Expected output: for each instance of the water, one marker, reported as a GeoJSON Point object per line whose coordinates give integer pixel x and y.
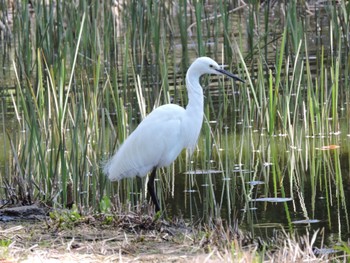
{"type": "Point", "coordinates": [304, 207]}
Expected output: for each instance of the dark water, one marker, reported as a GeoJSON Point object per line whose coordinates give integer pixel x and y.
{"type": "Point", "coordinates": [247, 194]}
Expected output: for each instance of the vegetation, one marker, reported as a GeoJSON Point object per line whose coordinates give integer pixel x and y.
{"type": "Point", "coordinates": [84, 73]}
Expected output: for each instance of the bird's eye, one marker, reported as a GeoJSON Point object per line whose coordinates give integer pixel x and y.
{"type": "Point", "coordinates": [211, 65]}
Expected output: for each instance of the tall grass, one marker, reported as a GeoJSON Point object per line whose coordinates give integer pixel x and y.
{"type": "Point", "coordinates": [88, 72]}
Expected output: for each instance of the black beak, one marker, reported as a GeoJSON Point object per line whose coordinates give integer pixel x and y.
{"type": "Point", "coordinates": [229, 74]}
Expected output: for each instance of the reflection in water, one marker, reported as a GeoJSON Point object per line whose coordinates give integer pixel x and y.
{"type": "Point", "coordinates": [294, 199]}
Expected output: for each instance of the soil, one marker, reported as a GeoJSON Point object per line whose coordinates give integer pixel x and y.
{"type": "Point", "coordinates": [39, 234]}
{"type": "Point", "coordinates": [28, 235]}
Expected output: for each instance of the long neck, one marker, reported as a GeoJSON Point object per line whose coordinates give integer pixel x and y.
{"type": "Point", "coordinates": [195, 96]}
{"type": "Point", "coordinates": [194, 111]}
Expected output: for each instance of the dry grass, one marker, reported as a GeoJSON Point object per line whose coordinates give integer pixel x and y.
{"type": "Point", "coordinates": [138, 237]}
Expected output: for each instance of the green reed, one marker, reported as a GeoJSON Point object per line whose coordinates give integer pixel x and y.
{"type": "Point", "coordinates": [61, 126]}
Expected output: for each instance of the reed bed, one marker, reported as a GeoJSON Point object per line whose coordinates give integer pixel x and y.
{"type": "Point", "coordinates": [87, 72]}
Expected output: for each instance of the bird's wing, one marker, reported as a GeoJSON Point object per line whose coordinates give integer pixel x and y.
{"type": "Point", "coordinates": [156, 142]}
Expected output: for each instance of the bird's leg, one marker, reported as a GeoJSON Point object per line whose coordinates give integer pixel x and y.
{"type": "Point", "coordinates": [151, 189]}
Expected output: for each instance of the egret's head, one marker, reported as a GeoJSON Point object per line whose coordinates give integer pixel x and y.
{"type": "Point", "coordinates": [205, 65]}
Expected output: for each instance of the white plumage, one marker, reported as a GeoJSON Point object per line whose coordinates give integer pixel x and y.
{"type": "Point", "coordinates": [165, 132]}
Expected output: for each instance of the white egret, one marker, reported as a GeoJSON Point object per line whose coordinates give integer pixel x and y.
{"type": "Point", "coordinates": [165, 132]}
